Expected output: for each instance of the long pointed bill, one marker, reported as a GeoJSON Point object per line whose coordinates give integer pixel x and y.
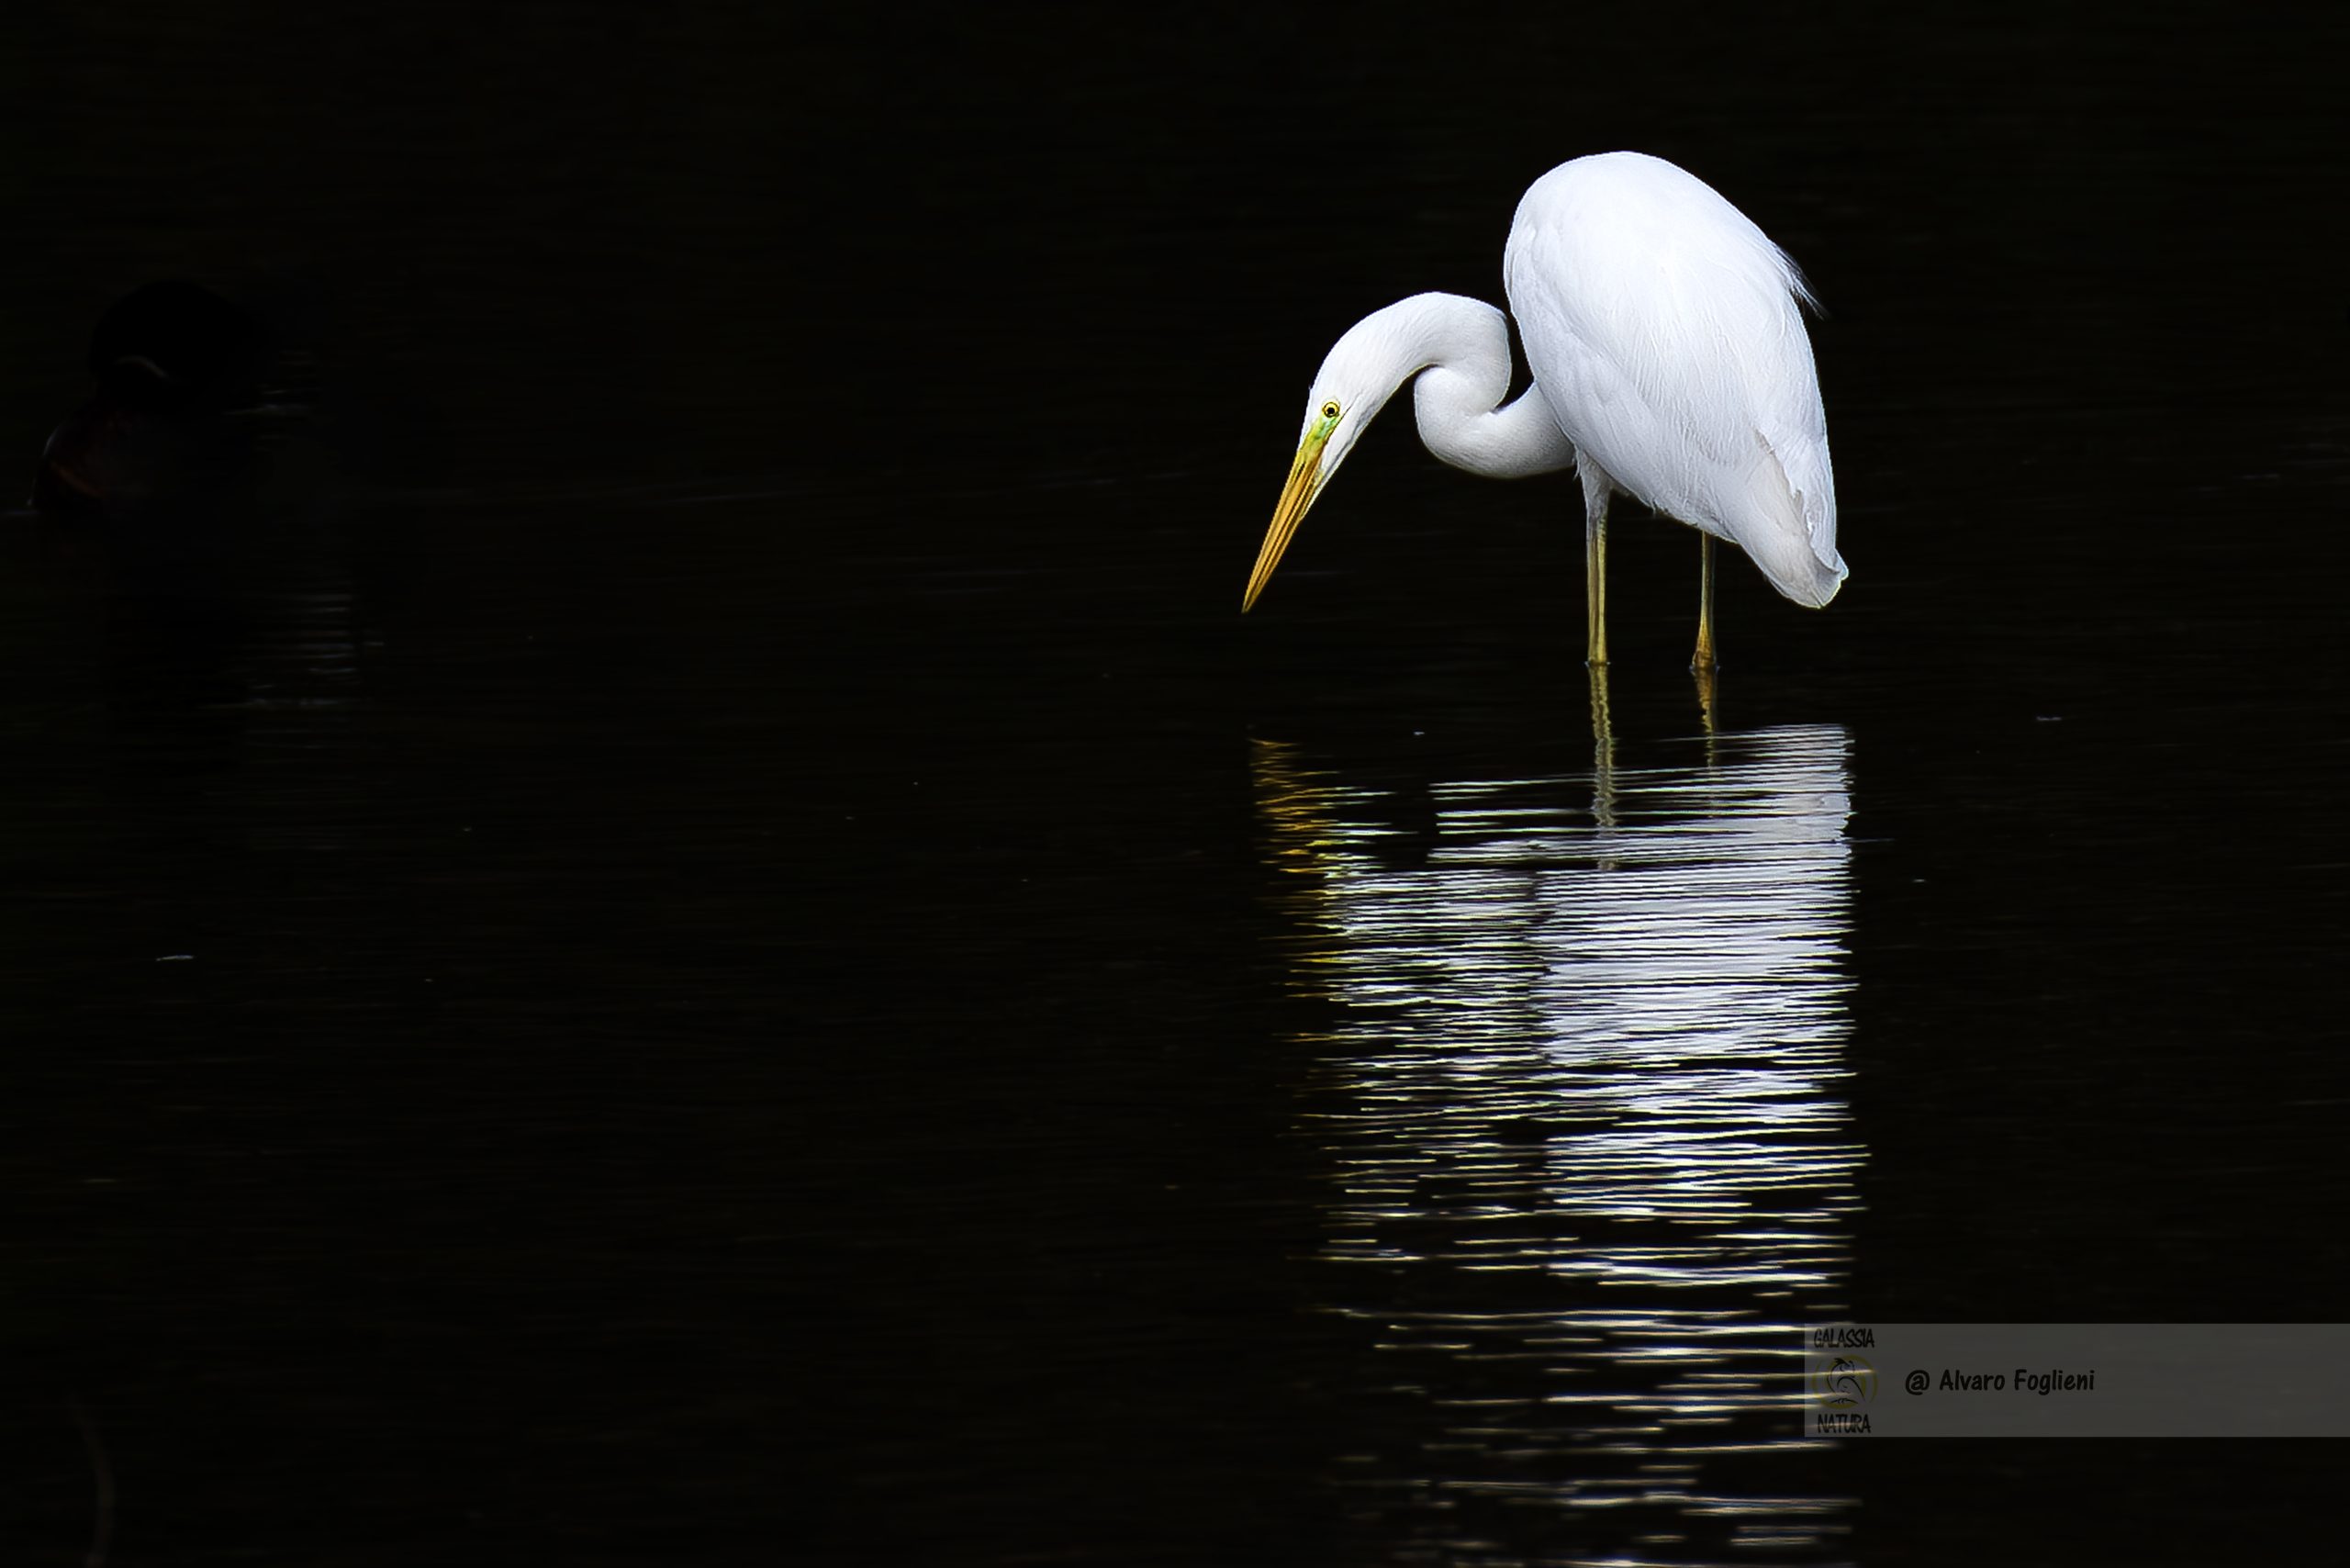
{"type": "Point", "coordinates": [1306, 477]}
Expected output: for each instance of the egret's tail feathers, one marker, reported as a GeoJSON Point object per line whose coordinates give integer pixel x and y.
{"type": "Point", "coordinates": [1793, 534]}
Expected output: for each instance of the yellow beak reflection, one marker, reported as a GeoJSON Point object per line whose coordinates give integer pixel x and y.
{"type": "Point", "coordinates": [1306, 477]}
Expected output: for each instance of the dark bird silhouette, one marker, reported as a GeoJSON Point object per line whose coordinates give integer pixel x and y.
{"type": "Point", "coordinates": [178, 426]}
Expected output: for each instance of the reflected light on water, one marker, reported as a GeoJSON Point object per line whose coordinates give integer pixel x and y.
{"type": "Point", "coordinates": [1589, 1152]}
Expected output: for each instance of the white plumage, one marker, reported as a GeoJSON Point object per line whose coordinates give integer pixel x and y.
{"type": "Point", "coordinates": [1669, 361]}
{"type": "Point", "coordinates": [1662, 326]}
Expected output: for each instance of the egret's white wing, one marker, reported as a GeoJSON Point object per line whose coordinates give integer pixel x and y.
{"type": "Point", "coordinates": [1661, 324]}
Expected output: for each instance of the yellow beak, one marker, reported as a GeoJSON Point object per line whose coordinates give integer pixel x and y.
{"type": "Point", "coordinates": [1305, 478]}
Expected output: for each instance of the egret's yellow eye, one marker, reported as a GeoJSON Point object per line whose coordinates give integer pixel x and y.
{"type": "Point", "coordinates": [1329, 410]}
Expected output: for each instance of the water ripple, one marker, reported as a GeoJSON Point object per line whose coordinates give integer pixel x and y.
{"type": "Point", "coordinates": [1587, 1146]}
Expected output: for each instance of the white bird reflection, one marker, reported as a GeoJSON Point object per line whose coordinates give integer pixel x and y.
{"type": "Point", "coordinates": [1582, 1106]}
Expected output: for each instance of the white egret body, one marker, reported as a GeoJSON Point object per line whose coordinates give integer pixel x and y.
{"type": "Point", "coordinates": [1670, 362]}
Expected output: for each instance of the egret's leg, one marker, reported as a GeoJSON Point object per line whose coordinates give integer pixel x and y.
{"type": "Point", "coordinates": [1703, 659]}
{"type": "Point", "coordinates": [1594, 577]}
{"type": "Point", "coordinates": [1603, 752]}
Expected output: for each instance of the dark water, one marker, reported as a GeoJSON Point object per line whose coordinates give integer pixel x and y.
{"type": "Point", "coordinates": [712, 942]}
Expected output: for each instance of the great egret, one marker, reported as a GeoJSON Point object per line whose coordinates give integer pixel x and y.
{"type": "Point", "coordinates": [1670, 362]}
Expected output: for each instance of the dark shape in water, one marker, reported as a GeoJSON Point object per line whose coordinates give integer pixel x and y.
{"type": "Point", "coordinates": [175, 430]}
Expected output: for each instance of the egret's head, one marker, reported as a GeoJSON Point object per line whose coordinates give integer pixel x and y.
{"type": "Point", "coordinates": [1355, 383]}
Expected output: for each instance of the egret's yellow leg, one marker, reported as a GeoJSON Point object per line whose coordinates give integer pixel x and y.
{"type": "Point", "coordinates": [1594, 577]}
{"type": "Point", "coordinates": [1702, 660]}
{"type": "Point", "coordinates": [1603, 752]}
{"type": "Point", "coordinates": [1602, 717]}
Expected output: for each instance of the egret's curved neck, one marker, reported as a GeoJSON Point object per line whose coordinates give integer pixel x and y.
{"type": "Point", "coordinates": [1459, 350]}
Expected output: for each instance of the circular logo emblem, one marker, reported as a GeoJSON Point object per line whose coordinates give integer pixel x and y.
{"type": "Point", "coordinates": [1844, 1383]}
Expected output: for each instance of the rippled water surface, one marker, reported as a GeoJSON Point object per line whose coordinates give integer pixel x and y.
{"type": "Point", "coordinates": [701, 935]}
{"type": "Point", "coordinates": [1587, 1107]}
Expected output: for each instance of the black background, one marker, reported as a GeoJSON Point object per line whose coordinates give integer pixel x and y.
{"type": "Point", "coordinates": [735, 1013]}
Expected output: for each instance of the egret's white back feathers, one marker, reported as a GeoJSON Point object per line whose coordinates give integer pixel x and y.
{"type": "Point", "coordinates": [1662, 325]}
